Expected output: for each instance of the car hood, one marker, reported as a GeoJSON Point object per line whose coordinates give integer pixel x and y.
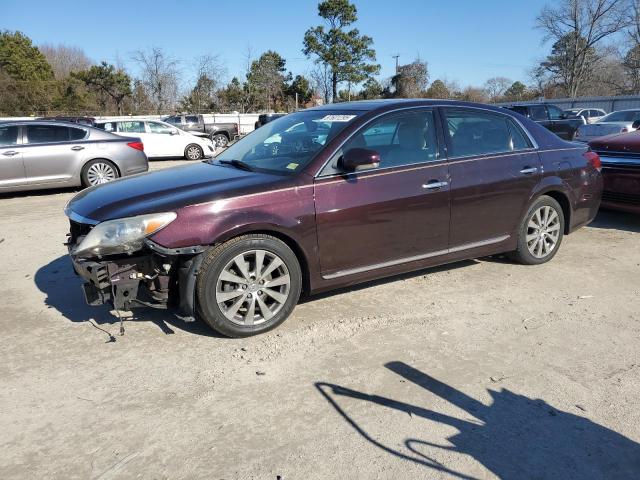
{"type": "Point", "coordinates": [166, 190]}
{"type": "Point", "coordinates": [625, 142]}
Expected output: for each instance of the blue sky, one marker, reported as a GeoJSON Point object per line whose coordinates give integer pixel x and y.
{"type": "Point", "coordinates": [463, 40]}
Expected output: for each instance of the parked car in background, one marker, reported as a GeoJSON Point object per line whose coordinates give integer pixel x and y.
{"type": "Point", "coordinates": [219, 133]}
{"type": "Point", "coordinates": [620, 156]}
{"type": "Point", "coordinates": [393, 186]}
{"type": "Point", "coordinates": [50, 154]}
{"type": "Point", "coordinates": [81, 120]}
{"type": "Point", "coordinates": [590, 115]}
{"type": "Point", "coordinates": [160, 139]}
{"type": "Point", "coordinates": [265, 118]}
{"type": "Point", "coordinates": [550, 117]}
{"type": "Point", "coordinates": [622, 121]}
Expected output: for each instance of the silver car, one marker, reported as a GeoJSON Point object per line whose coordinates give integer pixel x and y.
{"type": "Point", "coordinates": [622, 121]}
{"type": "Point", "coordinates": [50, 154]}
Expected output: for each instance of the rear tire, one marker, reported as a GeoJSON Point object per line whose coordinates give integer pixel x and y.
{"type": "Point", "coordinates": [248, 285]}
{"type": "Point", "coordinates": [193, 152]}
{"type": "Point", "coordinates": [540, 233]}
{"type": "Point", "coordinates": [220, 140]}
{"type": "Point", "coordinates": [97, 172]}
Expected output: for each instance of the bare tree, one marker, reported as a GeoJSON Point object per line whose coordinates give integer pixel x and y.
{"type": "Point", "coordinates": [65, 59]}
{"type": "Point", "coordinates": [577, 27]}
{"type": "Point", "coordinates": [321, 81]}
{"type": "Point", "coordinates": [159, 75]}
{"type": "Point", "coordinates": [208, 79]}
{"type": "Point", "coordinates": [496, 86]}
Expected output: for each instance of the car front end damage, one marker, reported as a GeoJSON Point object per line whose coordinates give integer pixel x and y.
{"type": "Point", "coordinates": [138, 274]}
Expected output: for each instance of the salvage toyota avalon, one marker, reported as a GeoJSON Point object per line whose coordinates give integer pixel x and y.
{"type": "Point", "coordinates": [329, 197]}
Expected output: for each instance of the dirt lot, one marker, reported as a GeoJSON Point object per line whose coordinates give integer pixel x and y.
{"type": "Point", "coordinates": [480, 369]}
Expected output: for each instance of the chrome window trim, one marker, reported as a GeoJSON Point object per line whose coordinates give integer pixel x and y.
{"type": "Point", "coordinates": [391, 263]}
{"type": "Point", "coordinates": [447, 158]}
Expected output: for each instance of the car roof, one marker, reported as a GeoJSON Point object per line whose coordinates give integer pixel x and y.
{"type": "Point", "coordinates": [45, 122]}
{"type": "Point", "coordinates": [390, 104]}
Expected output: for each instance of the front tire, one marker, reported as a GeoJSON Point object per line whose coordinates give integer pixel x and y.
{"type": "Point", "coordinates": [248, 285]}
{"type": "Point", "coordinates": [97, 172]}
{"type": "Point", "coordinates": [540, 233]}
{"type": "Point", "coordinates": [193, 152]}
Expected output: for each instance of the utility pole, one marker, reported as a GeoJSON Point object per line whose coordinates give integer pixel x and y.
{"type": "Point", "coordinates": [396, 56]}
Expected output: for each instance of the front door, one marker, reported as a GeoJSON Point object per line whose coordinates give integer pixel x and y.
{"type": "Point", "coordinates": [165, 140]}
{"type": "Point", "coordinates": [11, 164]}
{"type": "Point", "coordinates": [493, 168]}
{"type": "Point", "coordinates": [393, 214]}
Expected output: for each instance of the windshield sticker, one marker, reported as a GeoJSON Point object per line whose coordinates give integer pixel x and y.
{"type": "Point", "coordinates": [337, 118]}
{"type": "Point", "coordinates": [292, 166]}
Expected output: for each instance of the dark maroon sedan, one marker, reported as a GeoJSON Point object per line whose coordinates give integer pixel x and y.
{"type": "Point", "coordinates": [362, 190]}
{"type": "Point", "coordinates": [620, 155]}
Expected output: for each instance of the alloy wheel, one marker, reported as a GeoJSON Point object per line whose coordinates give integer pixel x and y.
{"type": "Point", "coordinates": [194, 152]}
{"type": "Point", "coordinates": [100, 173]}
{"type": "Point", "coordinates": [253, 287]}
{"type": "Point", "coordinates": [543, 231]}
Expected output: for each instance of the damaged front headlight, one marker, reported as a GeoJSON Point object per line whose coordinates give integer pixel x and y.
{"type": "Point", "coordinates": [124, 235]}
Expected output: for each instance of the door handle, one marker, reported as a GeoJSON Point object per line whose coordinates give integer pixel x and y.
{"type": "Point", "coordinates": [434, 185]}
{"type": "Point", "coordinates": [10, 153]}
{"type": "Point", "coordinates": [528, 170]}
{"type": "Point", "coordinates": [77, 148]}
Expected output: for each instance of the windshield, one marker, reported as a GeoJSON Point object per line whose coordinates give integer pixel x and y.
{"type": "Point", "coordinates": [622, 116]}
{"type": "Point", "coordinates": [288, 144]}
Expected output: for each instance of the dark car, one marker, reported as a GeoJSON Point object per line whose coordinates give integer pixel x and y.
{"type": "Point", "coordinates": [393, 186]}
{"type": "Point", "coordinates": [265, 118]}
{"type": "Point", "coordinates": [620, 155]}
{"type": "Point", "coordinates": [550, 117]}
{"type": "Point", "coordinates": [81, 120]}
{"type": "Point", "coordinates": [220, 133]}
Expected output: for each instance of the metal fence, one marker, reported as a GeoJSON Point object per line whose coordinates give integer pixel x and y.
{"type": "Point", "coordinates": [246, 121]}
{"type": "Point", "coordinates": [608, 104]}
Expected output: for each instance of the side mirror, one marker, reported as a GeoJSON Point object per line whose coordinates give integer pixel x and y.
{"type": "Point", "coordinates": [636, 125]}
{"type": "Point", "coordinates": [173, 132]}
{"type": "Point", "coordinates": [359, 159]}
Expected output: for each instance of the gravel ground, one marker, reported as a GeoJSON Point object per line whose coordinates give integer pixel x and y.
{"type": "Point", "coordinates": [480, 369]}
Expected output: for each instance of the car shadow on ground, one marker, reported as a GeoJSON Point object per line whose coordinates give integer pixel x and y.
{"type": "Point", "coordinates": [63, 290]}
{"type": "Point", "coordinates": [514, 437]}
{"type": "Point", "coordinates": [614, 220]}
{"type": "Point", "coordinates": [62, 286]}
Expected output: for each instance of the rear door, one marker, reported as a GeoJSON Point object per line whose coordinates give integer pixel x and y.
{"type": "Point", "coordinates": [493, 167]}
{"type": "Point", "coordinates": [53, 153]}
{"type": "Point", "coordinates": [12, 172]}
{"type": "Point", "coordinates": [560, 125]}
{"type": "Point", "coordinates": [393, 214]}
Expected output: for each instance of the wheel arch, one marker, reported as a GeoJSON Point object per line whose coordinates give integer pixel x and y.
{"type": "Point", "coordinates": [563, 200]}
{"type": "Point", "coordinates": [86, 162]}
{"type": "Point", "coordinates": [284, 237]}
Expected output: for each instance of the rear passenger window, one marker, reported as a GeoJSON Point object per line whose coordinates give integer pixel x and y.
{"type": "Point", "coordinates": [47, 133]}
{"type": "Point", "coordinates": [479, 133]}
{"type": "Point", "coordinates": [191, 119]}
{"type": "Point", "coordinates": [76, 134]}
{"type": "Point", "coordinates": [8, 136]}
{"type": "Point", "coordinates": [131, 127]}
{"type": "Point", "coordinates": [537, 112]}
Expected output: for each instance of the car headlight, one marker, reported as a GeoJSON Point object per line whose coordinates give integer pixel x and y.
{"type": "Point", "coordinates": [124, 235]}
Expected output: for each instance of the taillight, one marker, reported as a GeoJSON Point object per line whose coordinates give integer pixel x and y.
{"type": "Point", "coordinates": [594, 159]}
{"type": "Point", "coordinates": [137, 145]}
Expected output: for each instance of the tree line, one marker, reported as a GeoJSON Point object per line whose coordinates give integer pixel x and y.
{"type": "Point", "coordinates": [595, 50]}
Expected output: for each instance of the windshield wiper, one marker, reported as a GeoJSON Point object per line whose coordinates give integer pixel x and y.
{"type": "Point", "coordinates": [238, 164]}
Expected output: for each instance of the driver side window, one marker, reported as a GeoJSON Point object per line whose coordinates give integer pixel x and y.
{"type": "Point", "coordinates": [399, 138]}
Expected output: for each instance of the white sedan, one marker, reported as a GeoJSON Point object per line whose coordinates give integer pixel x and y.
{"type": "Point", "coordinates": [160, 139]}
